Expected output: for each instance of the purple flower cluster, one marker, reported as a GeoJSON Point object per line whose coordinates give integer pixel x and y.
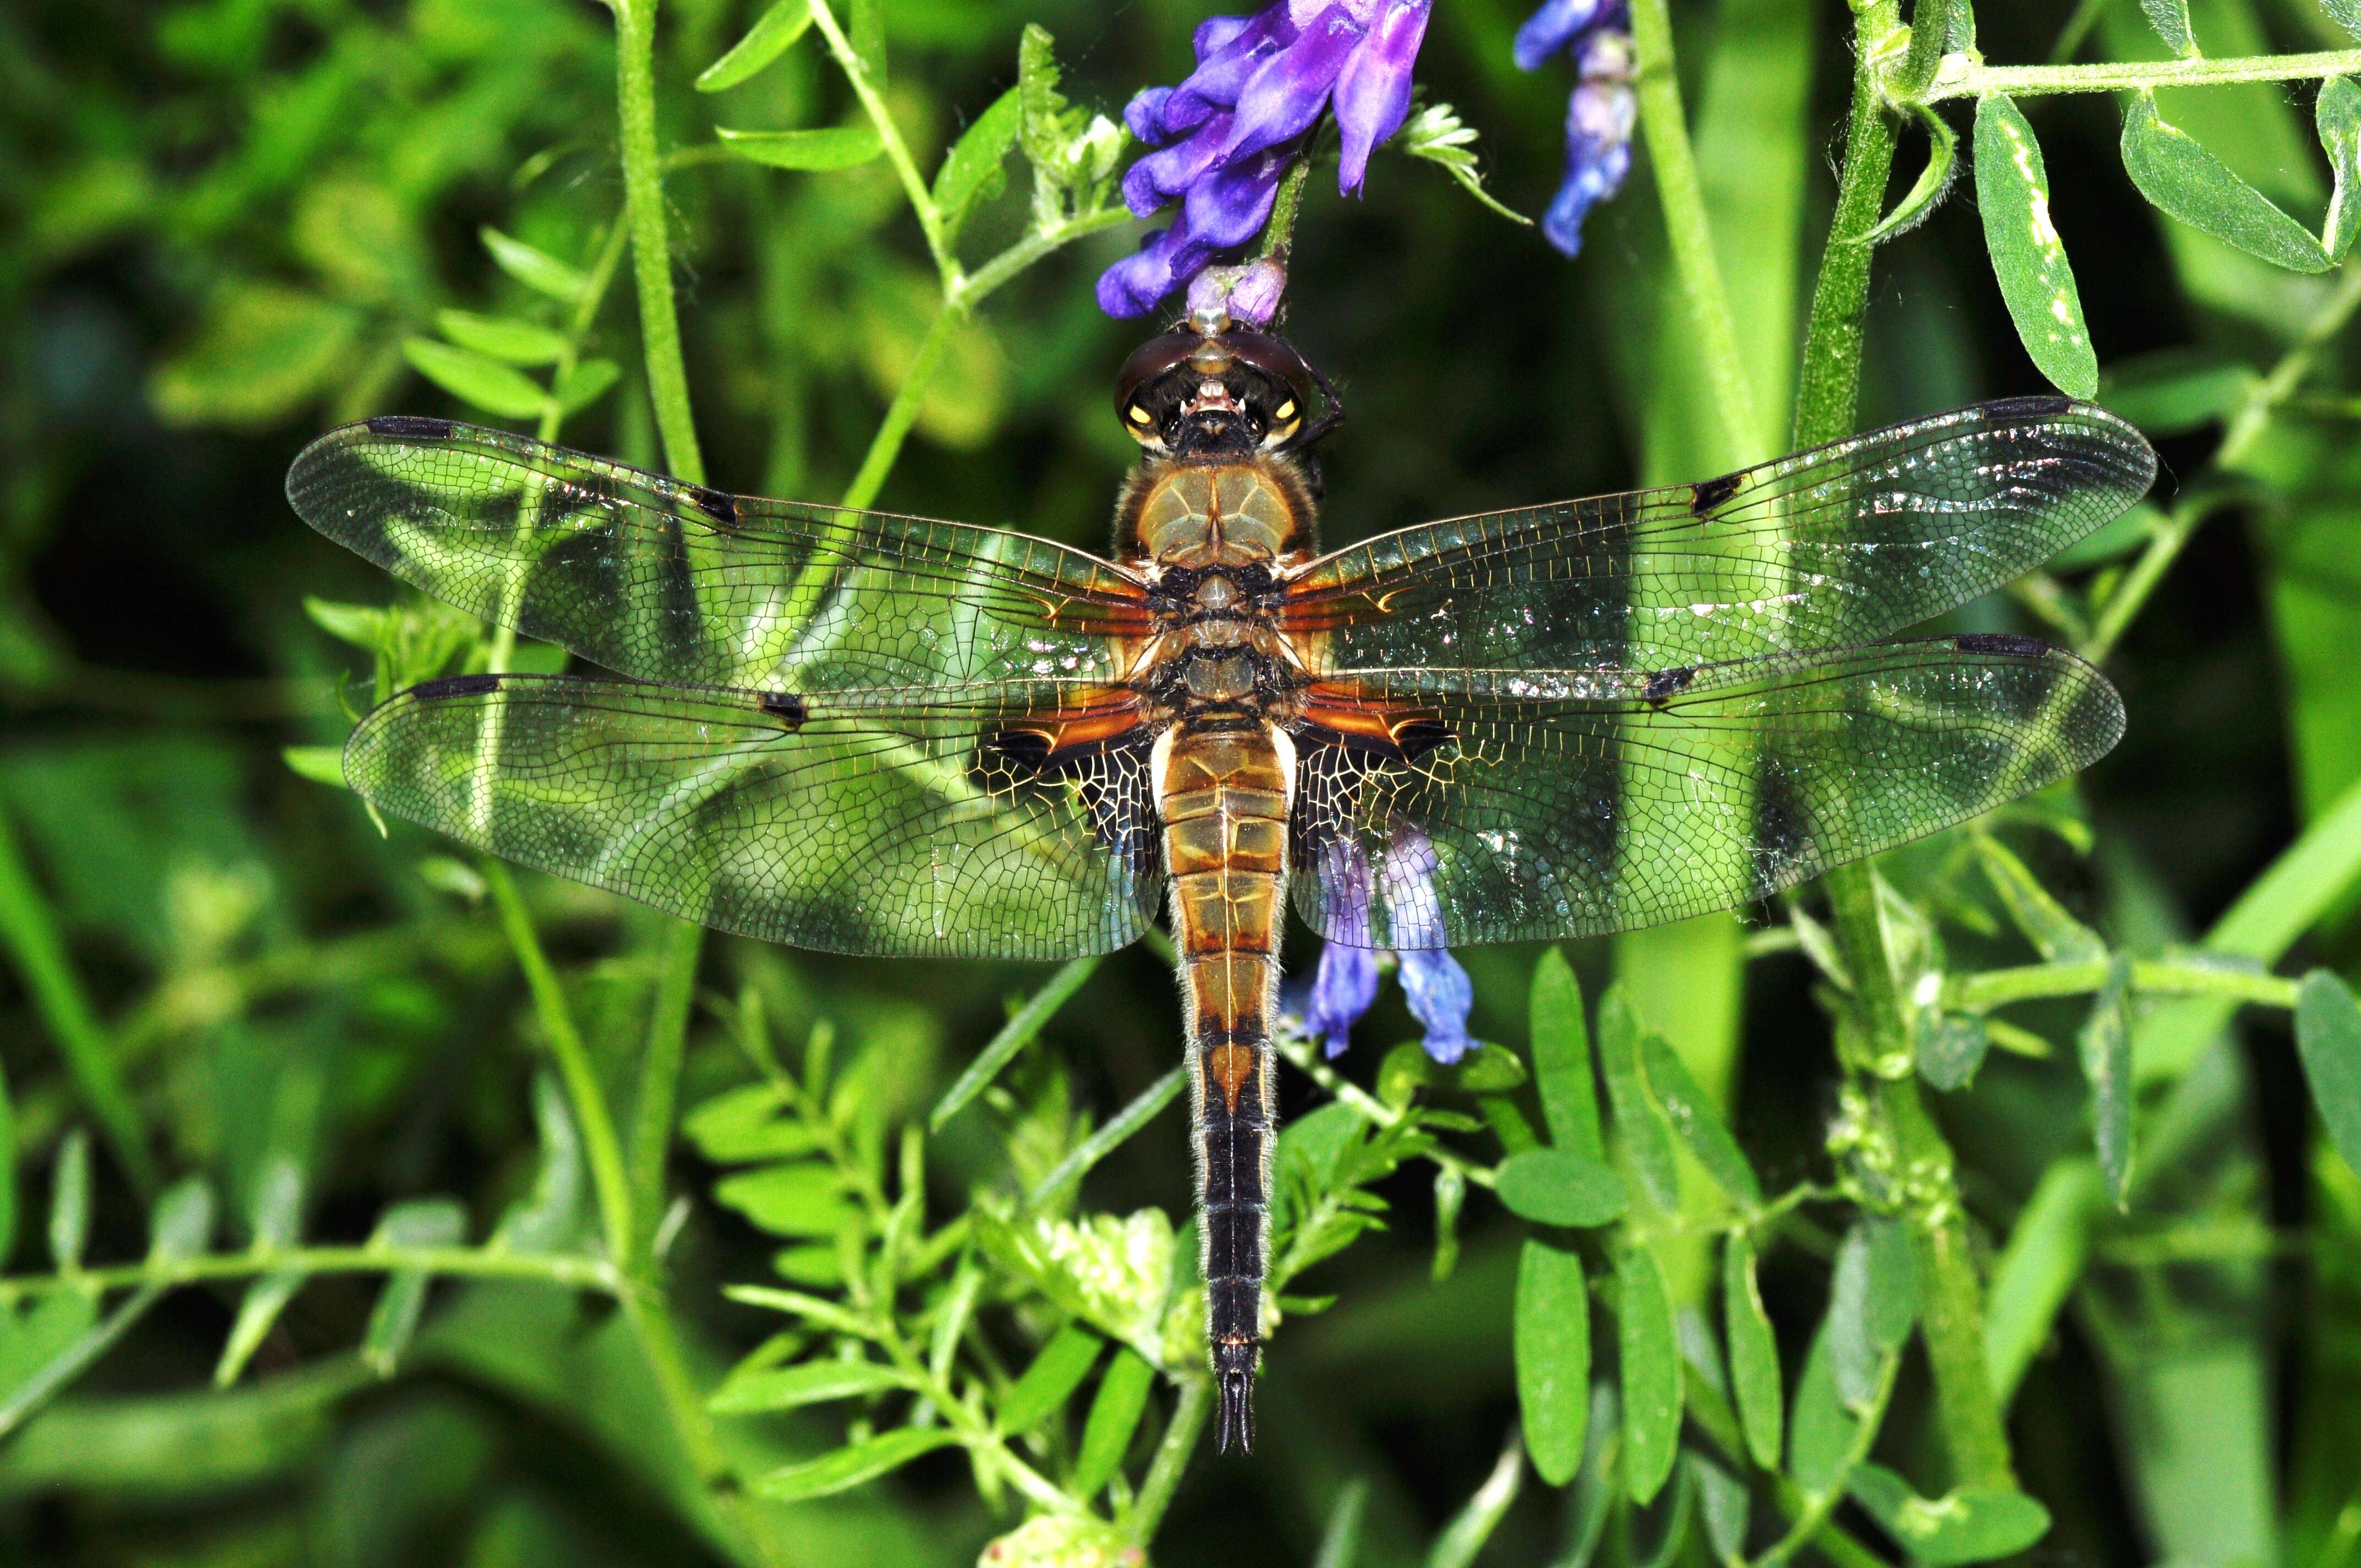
{"type": "Point", "coordinates": [1600, 113]}
{"type": "Point", "coordinates": [1344, 986]}
{"type": "Point", "coordinates": [1227, 133]}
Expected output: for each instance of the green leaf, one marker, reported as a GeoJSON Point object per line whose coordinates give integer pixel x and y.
{"type": "Point", "coordinates": [1934, 182]}
{"type": "Point", "coordinates": [262, 353]}
{"type": "Point", "coordinates": [1873, 1300]}
{"type": "Point", "coordinates": [798, 1200]}
{"type": "Point", "coordinates": [1950, 1048]}
{"type": "Point", "coordinates": [1450, 1196]}
{"type": "Point", "coordinates": [2037, 1269]}
{"type": "Point", "coordinates": [1753, 1352]}
{"type": "Point", "coordinates": [2170, 20]}
{"type": "Point", "coordinates": [2328, 1039]}
{"type": "Point", "coordinates": [1694, 1121]}
{"type": "Point", "coordinates": [766, 41]}
{"type": "Point", "coordinates": [850, 1467]}
{"type": "Point", "coordinates": [1723, 1499]}
{"type": "Point", "coordinates": [1562, 1071]}
{"type": "Point", "coordinates": [1437, 135]}
{"type": "Point", "coordinates": [275, 1222]}
{"type": "Point", "coordinates": [1821, 1431]}
{"type": "Point", "coordinates": [2056, 935]}
{"type": "Point", "coordinates": [1340, 1541]}
{"type": "Point", "coordinates": [2347, 14]}
{"type": "Point", "coordinates": [320, 764]}
{"type": "Point", "coordinates": [1641, 1133]}
{"type": "Point", "coordinates": [504, 338]}
{"type": "Point", "coordinates": [585, 382]}
{"type": "Point", "coordinates": [2027, 257]}
{"type": "Point", "coordinates": [485, 383]}
{"type": "Point", "coordinates": [745, 1124]}
{"type": "Point", "coordinates": [971, 173]}
{"type": "Point", "coordinates": [1974, 1524]}
{"type": "Point", "coordinates": [1115, 1417]}
{"type": "Point", "coordinates": [535, 267]}
{"type": "Point", "coordinates": [1051, 1380]}
{"type": "Point", "coordinates": [865, 30]}
{"type": "Point", "coordinates": [70, 1202]}
{"type": "Point", "coordinates": [2105, 1043]}
{"type": "Point", "coordinates": [2338, 117]}
{"type": "Point", "coordinates": [793, 1387]}
{"type": "Point", "coordinates": [1552, 1187]}
{"type": "Point", "coordinates": [183, 1221]}
{"type": "Point", "coordinates": [829, 148]}
{"type": "Point", "coordinates": [1014, 1037]}
{"type": "Point", "coordinates": [2180, 178]}
{"type": "Point", "coordinates": [1043, 112]}
{"type": "Point", "coordinates": [1652, 1372]}
{"type": "Point", "coordinates": [34, 1339]}
{"type": "Point", "coordinates": [428, 1222]}
{"type": "Point", "coordinates": [1464, 1535]}
{"type": "Point", "coordinates": [1552, 1356]}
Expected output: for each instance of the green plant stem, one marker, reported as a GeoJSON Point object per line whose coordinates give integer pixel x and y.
{"type": "Point", "coordinates": [1279, 232]}
{"type": "Point", "coordinates": [1299, 1051]}
{"type": "Point", "coordinates": [2247, 426]}
{"type": "Point", "coordinates": [1923, 1168]}
{"type": "Point", "coordinates": [643, 1304]}
{"type": "Point", "coordinates": [961, 296]}
{"type": "Point", "coordinates": [2150, 977]}
{"type": "Point", "coordinates": [588, 1099]}
{"type": "Point", "coordinates": [1964, 77]}
{"type": "Point", "coordinates": [1709, 1410]}
{"type": "Point", "coordinates": [29, 928]}
{"type": "Point", "coordinates": [573, 1271]}
{"type": "Point", "coordinates": [660, 1063]}
{"type": "Point", "coordinates": [897, 151]}
{"type": "Point", "coordinates": [1687, 227]}
{"type": "Point", "coordinates": [1812, 1518]}
{"type": "Point", "coordinates": [643, 201]}
{"type": "Point", "coordinates": [1172, 1452]}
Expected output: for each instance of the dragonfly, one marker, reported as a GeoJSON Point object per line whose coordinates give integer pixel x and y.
{"type": "Point", "coordinates": [874, 734]}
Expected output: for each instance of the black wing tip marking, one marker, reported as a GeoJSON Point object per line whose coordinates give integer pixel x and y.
{"type": "Point", "coordinates": [718, 505]}
{"type": "Point", "coordinates": [1666, 684]}
{"type": "Point", "coordinates": [2011, 643]}
{"type": "Point", "coordinates": [1707, 494]}
{"type": "Point", "coordinates": [787, 707]}
{"type": "Point", "coordinates": [2035, 405]}
{"type": "Point", "coordinates": [411, 427]}
{"type": "Point", "coordinates": [453, 686]}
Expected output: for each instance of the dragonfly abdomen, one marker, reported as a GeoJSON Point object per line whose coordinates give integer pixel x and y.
{"type": "Point", "coordinates": [1223, 796]}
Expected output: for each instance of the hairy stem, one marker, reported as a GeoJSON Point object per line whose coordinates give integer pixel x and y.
{"type": "Point", "coordinates": [1923, 1168]}
{"type": "Point", "coordinates": [1690, 233]}
{"type": "Point", "coordinates": [643, 201]}
{"type": "Point", "coordinates": [897, 151]}
{"type": "Point", "coordinates": [1962, 78]}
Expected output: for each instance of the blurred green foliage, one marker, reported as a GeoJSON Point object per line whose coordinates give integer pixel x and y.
{"type": "Point", "coordinates": [365, 1204]}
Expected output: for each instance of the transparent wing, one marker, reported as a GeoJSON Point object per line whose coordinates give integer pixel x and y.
{"type": "Point", "coordinates": [1843, 544]}
{"type": "Point", "coordinates": [678, 583]}
{"type": "Point", "coordinates": [1443, 807]}
{"type": "Point", "coordinates": [1015, 821]}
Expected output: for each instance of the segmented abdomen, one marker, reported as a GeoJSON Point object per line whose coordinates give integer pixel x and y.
{"type": "Point", "coordinates": [1224, 797]}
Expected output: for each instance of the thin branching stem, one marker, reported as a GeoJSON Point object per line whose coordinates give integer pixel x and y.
{"type": "Point", "coordinates": [897, 151]}
{"type": "Point", "coordinates": [643, 200]}
{"type": "Point", "coordinates": [575, 1271]}
{"type": "Point", "coordinates": [1961, 76]}
{"type": "Point", "coordinates": [2150, 977]}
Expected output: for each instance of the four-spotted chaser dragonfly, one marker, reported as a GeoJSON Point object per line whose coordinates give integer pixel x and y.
{"type": "Point", "coordinates": [877, 734]}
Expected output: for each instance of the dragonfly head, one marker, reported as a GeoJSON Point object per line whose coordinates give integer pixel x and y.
{"type": "Point", "coordinates": [1217, 389]}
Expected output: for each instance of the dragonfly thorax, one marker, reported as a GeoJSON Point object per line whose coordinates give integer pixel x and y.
{"type": "Point", "coordinates": [1190, 516]}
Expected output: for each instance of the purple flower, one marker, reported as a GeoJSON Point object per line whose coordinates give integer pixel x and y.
{"type": "Point", "coordinates": [1344, 986]}
{"type": "Point", "coordinates": [1345, 983]}
{"type": "Point", "coordinates": [1599, 115]}
{"type": "Point", "coordinates": [1227, 133]}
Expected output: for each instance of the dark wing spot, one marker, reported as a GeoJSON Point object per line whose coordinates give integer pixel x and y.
{"type": "Point", "coordinates": [2043, 406]}
{"type": "Point", "coordinates": [454, 686]}
{"type": "Point", "coordinates": [787, 707]}
{"type": "Point", "coordinates": [1710, 493]}
{"type": "Point", "coordinates": [1421, 736]}
{"type": "Point", "coordinates": [411, 427]}
{"type": "Point", "coordinates": [1665, 683]}
{"type": "Point", "coordinates": [2000, 643]}
{"type": "Point", "coordinates": [718, 505]}
{"type": "Point", "coordinates": [1028, 749]}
